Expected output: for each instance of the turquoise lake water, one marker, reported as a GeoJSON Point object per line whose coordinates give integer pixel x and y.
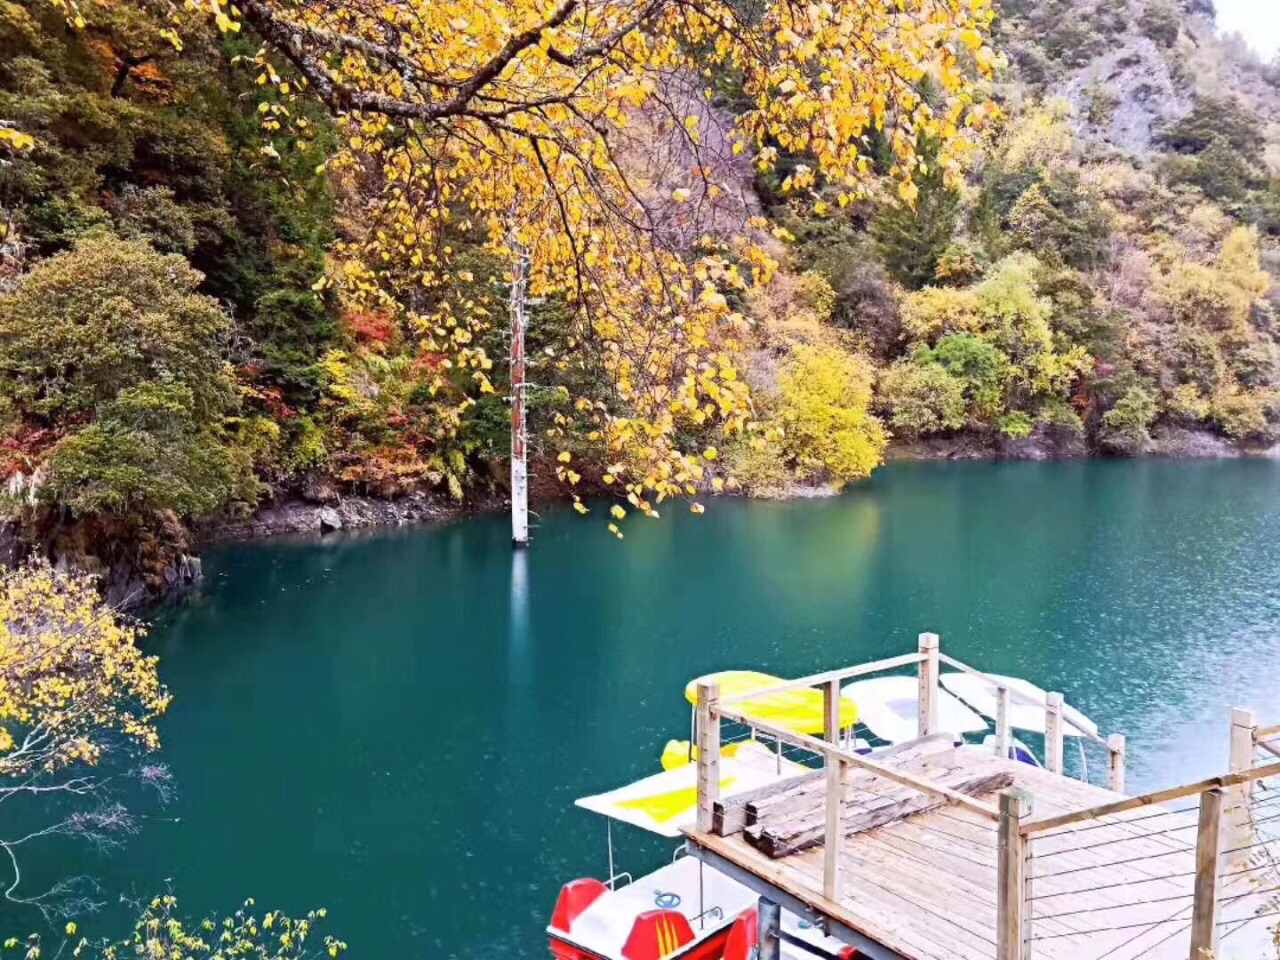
{"type": "Point", "coordinates": [396, 726]}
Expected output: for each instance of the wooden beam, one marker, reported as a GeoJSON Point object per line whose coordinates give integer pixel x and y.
{"type": "Point", "coordinates": [1266, 733]}
{"type": "Point", "coordinates": [817, 679]}
{"type": "Point", "coordinates": [1117, 752]}
{"type": "Point", "coordinates": [788, 834]}
{"type": "Point", "coordinates": [1012, 916]}
{"type": "Point", "coordinates": [826, 750]}
{"type": "Point", "coordinates": [1053, 732]}
{"type": "Point", "coordinates": [1204, 909]}
{"type": "Point", "coordinates": [833, 837]}
{"type": "Point", "coordinates": [831, 711]}
{"type": "Point", "coordinates": [1004, 716]}
{"type": "Point", "coordinates": [708, 754]}
{"type": "Point", "coordinates": [927, 709]}
{"type": "Point", "coordinates": [1150, 799]}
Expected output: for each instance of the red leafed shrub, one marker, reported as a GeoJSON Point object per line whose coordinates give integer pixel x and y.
{"type": "Point", "coordinates": [430, 362]}
{"type": "Point", "coordinates": [371, 327]}
{"type": "Point", "coordinates": [21, 452]}
{"type": "Point", "coordinates": [273, 400]}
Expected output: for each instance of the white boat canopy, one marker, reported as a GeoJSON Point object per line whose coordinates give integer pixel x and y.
{"type": "Point", "coordinates": [890, 708]}
{"type": "Point", "coordinates": [1026, 702]}
{"type": "Point", "coordinates": [666, 801]}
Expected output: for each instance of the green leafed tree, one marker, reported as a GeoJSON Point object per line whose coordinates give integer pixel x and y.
{"type": "Point", "coordinates": [108, 352]}
{"type": "Point", "coordinates": [911, 239]}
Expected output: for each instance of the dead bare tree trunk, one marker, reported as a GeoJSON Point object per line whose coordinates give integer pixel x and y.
{"type": "Point", "coordinates": [519, 433]}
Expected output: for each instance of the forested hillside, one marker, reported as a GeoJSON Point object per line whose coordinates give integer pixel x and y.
{"type": "Point", "coordinates": [214, 294]}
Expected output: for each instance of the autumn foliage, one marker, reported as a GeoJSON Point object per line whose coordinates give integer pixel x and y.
{"type": "Point", "coordinates": [72, 679]}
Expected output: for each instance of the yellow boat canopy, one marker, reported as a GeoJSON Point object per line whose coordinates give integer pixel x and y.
{"type": "Point", "coordinates": [799, 711]}
{"type": "Point", "coordinates": [666, 801]}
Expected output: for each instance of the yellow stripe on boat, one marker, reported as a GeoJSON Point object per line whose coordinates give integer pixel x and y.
{"type": "Point", "coordinates": [665, 807]}
{"type": "Point", "coordinates": [800, 711]}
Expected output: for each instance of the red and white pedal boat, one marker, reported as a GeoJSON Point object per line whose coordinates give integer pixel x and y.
{"type": "Point", "coordinates": [686, 910]}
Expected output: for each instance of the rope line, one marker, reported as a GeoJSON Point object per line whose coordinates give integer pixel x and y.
{"type": "Point", "coordinates": [1128, 839]}
{"type": "Point", "coordinates": [1109, 863]}
{"type": "Point", "coordinates": [1242, 896]}
{"type": "Point", "coordinates": [1111, 886]}
{"type": "Point", "coordinates": [1072, 829]}
{"type": "Point", "coordinates": [1114, 906]}
{"type": "Point", "coordinates": [1148, 924]}
{"type": "Point", "coordinates": [1245, 921]}
{"type": "Point", "coordinates": [1158, 944]}
{"type": "Point", "coordinates": [1260, 866]}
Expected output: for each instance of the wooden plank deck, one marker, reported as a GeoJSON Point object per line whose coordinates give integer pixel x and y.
{"type": "Point", "coordinates": [925, 886]}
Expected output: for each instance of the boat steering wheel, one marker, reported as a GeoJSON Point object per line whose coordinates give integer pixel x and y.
{"type": "Point", "coordinates": [666, 900]}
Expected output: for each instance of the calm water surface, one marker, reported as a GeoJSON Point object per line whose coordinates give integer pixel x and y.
{"type": "Point", "coordinates": [396, 727]}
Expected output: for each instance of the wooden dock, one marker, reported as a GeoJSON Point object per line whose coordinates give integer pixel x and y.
{"type": "Point", "coordinates": [933, 852]}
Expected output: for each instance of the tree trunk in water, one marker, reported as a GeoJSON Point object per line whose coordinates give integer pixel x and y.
{"type": "Point", "coordinates": [519, 436]}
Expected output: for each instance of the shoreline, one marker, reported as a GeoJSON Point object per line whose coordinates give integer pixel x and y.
{"type": "Point", "coordinates": [313, 511]}
{"type": "Point", "coordinates": [323, 511]}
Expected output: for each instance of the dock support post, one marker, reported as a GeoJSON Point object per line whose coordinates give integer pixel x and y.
{"type": "Point", "coordinates": [1204, 909]}
{"type": "Point", "coordinates": [708, 754]}
{"type": "Point", "coordinates": [1115, 762]}
{"type": "Point", "coordinates": [831, 711]}
{"type": "Point", "coordinates": [1053, 732]}
{"type": "Point", "coordinates": [833, 837]}
{"type": "Point", "coordinates": [1013, 908]}
{"type": "Point", "coordinates": [1244, 726]}
{"type": "Point", "coordinates": [928, 706]}
{"type": "Point", "coordinates": [769, 927]}
{"type": "Point", "coordinates": [1004, 716]}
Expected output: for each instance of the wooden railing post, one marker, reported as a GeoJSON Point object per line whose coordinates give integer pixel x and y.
{"type": "Point", "coordinates": [1013, 908]}
{"type": "Point", "coordinates": [833, 837]}
{"type": "Point", "coordinates": [831, 711]}
{"type": "Point", "coordinates": [1053, 732]}
{"type": "Point", "coordinates": [928, 706]}
{"type": "Point", "coordinates": [708, 754]}
{"type": "Point", "coordinates": [1204, 909]}
{"type": "Point", "coordinates": [1244, 726]}
{"type": "Point", "coordinates": [1115, 762]}
{"type": "Point", "coordinates": [1004, 716]}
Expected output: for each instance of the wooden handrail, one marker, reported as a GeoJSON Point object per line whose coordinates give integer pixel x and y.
{"type": "Point", "coordinates": [1266, 733]}
{"type": "Point", "coordinates": [965, 668]}
{"type": "Point", "coordinates": [823, 678]}
{"type": "Point", "coordinates": [1148, 799]}
{"type": "Point", "coordinates": [833, 754]}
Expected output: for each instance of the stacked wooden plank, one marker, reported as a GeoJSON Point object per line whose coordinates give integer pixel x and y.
{"type": "Point", "coordinates": [790, 817]}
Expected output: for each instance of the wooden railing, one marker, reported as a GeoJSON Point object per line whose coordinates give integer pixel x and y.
{"type": "Point", "coordinates": [1222, 822]}
{"type": "Point", "coordinates": [712, 709]}
{"type": "Point", "coordinates": [1055, 723]}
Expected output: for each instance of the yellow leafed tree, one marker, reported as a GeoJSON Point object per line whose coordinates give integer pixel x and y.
{"type": "Point", "coordinates": [74, 687]}
{"type": "Point", "coordinates": [538, 124]}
